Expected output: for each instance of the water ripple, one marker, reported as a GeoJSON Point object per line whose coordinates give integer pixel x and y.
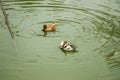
{"type": "Point", "coordinates": [77, 22]}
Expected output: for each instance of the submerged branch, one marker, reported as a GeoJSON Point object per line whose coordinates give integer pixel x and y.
{"type": "Point", "coordinates": [6, 20]}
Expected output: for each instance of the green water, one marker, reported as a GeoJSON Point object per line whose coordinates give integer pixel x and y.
{"type": "Point", "coordinates": [92, 25]}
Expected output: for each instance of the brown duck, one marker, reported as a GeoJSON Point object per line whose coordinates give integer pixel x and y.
{"type": "Point", "coordinates": [48, 28]}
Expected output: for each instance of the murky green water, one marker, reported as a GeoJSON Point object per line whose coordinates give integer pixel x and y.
{"type": "Point", "coordinates": [93, 25]}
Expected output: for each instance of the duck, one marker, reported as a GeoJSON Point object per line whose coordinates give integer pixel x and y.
{"type": "Point", "coordinates": [48, 28]}
{"type": "Point", "coordinates": [64, 45]}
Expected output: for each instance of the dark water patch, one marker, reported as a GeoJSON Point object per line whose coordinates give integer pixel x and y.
{"type": "Point", "coordinates": [33, 61]}
{"type": "Point", "coordinates": [28, 3]}
{"type": "Point", "coordinates": [51, 6]}
{"type": "Point", "coordinates": [8, 8]}
{"type": "Point", "coordinates": [20, 0]}
{"type": "Point", "coordinates": [57, 1]}
{"type": "Point", "coordinates": [117, 1]}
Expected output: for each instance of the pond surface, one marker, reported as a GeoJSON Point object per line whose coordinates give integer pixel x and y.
{"type": "Point", "coordinates": [92, 25]}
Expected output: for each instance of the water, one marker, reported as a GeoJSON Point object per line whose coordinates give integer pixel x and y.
{"type": "Point", "coordinates": [92, 25]}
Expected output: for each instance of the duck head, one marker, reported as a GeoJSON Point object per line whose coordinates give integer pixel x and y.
{"type": "Point", "coordinates": [44, 27]}
{"type": "Point", "coordinates": [64, 45]}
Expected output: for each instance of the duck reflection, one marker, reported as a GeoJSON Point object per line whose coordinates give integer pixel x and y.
{"type": "Point", "coordinates": [68, 52]}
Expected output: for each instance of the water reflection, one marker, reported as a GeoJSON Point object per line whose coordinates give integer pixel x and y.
{"type": "Point", "coordinates": [113, 59]}
{"type": "Point", "coordinates": [92, 25]}
{"type": "Point", "coordinates": [112, 55]}
{"type": "Point", "coordinates": [102, 24]}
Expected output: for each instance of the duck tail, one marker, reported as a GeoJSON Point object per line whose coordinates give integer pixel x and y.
{"type": "Point", "coordinates": [73, 46]}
